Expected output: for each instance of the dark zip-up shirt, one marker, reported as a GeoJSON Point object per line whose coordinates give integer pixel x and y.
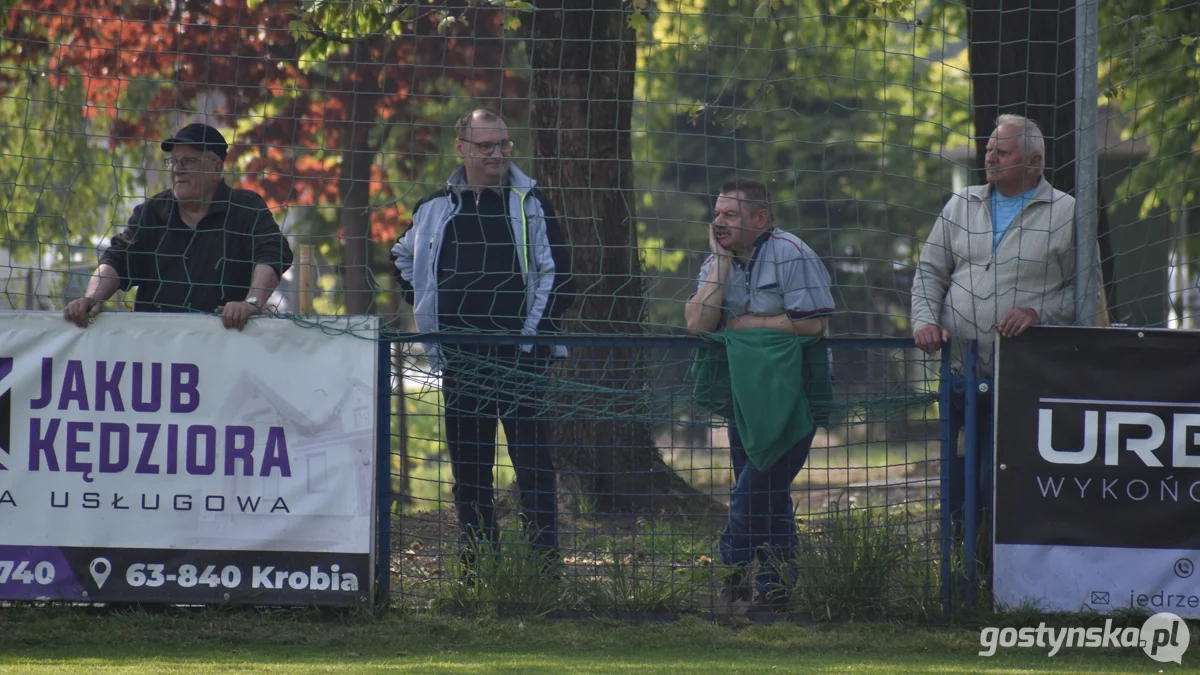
{"type": "Point", "coordinates": [180, 269]}
{"type": "Point", "coordinates": [479, 274]}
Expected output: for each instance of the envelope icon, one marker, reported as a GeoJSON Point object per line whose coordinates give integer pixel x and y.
{"type": "Point", "coordinates": [1099, 598]}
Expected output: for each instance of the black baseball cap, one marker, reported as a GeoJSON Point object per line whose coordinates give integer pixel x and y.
{"type": "Point", "coordinates": [201, 136]}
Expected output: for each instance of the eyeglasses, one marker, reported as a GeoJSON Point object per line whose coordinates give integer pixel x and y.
{"type": "Point", "coordinates": [187, 163]}
{"type": "Point", "coordinates": [506, 146]}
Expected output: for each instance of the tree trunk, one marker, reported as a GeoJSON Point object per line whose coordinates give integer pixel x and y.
{"type": "Point", "coordinates": [1023, 62]}
{"type": "Point", "coordinates": [360, 93]}
{"type": "Point", "coordinates": [583, 65]}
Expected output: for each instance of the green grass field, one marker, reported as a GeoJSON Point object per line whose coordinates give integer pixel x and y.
{"type": "Point", "coordinates": [55, 641]}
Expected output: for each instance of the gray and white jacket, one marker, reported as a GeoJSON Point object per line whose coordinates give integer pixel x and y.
{"type": "Point", "coordinates": [544, 258]}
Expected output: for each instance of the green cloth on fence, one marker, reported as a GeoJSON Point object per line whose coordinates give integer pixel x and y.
{"type": "Point", "coordinates": [768, 382]}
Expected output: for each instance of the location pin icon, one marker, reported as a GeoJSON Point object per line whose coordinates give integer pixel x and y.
{"type": "Point", "coordinates": [100, 569]}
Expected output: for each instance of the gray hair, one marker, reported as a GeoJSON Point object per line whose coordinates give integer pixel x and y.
{"type": "Point", "coordinates": [1032, 140]}
{"type": "Point", "coordinates": [468, 119]}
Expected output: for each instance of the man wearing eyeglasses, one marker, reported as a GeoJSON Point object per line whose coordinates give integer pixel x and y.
{"type": "Point", "coordinates": [201, 246]}
{"type": "Point", "coordinates": [484, 255]}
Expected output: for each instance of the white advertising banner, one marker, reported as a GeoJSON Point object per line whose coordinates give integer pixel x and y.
{"type": "Point", "coordinates": [164, 458]}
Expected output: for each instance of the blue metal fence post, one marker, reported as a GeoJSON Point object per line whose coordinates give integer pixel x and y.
{"type": "Point", "coordinates": [383, 473]}
{"type": "Point", "coordinates": [947, 457]}
{"type": "Point", "coordinates": [971, 470]}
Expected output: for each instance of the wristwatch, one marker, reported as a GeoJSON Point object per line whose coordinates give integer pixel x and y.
{"type": "Point", "coordinates": [253, 301]}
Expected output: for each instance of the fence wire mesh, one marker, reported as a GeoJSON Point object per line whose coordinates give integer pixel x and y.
{"type": "Point", "coordinates": [340, 114]}
{"type": "Point", "coordinates": [861, 118]}
{"type": "Point", "coordinates": [865, 508]}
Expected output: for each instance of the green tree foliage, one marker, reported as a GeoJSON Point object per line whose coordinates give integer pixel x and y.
{"type": "Point", "coordinates": [843, 108]}
{"type": "Point", "coordinates": [61, 176]}
{"type": "Point", "coordinates": [1150, 66]}
{"type": "Point", "coordinates": [1150, 70]}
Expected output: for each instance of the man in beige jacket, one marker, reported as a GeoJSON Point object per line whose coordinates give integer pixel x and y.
{"type": "Point", "coordinates": [1000, 259]}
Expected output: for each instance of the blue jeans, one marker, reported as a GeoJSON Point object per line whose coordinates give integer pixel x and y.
{"type": "Point", "coordinates": [984, 438]}
{"type": "Point", "coordinates": [762, 524]}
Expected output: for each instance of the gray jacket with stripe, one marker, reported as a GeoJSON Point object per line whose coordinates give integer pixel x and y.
{"type": "Point", "coordinates": [544, 258]}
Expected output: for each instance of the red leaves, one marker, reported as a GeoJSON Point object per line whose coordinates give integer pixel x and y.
{"type": "Point", "coordinates": [240, 69]}
{"type": "Point", "coordinates": [386, 225]}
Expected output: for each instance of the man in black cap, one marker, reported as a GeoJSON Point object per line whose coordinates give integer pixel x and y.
{"type": "Point", "coordinates": [201, 246]}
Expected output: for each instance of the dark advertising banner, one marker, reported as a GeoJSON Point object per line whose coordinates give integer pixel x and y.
{"type": "Point", "coordinates": [162, 458]}
{"type": "Point", "coordinates": [1098, 469]}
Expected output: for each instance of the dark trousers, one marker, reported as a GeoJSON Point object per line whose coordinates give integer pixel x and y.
{"type": "Point", "coordinates": [480, 388]}
{"type": "Point", "coordinates": [984, 440]}
{"type": "Point", "coordinates": [762, 523]}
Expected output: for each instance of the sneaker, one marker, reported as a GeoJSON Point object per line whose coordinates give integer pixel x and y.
{"type": "Point", "coordinates": [736, 594]}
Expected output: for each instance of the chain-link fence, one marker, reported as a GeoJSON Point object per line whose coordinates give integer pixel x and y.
{"type": "Point", "coordinates": [863, 121]}
{"type": "Point", "coordinates": [644, 485]}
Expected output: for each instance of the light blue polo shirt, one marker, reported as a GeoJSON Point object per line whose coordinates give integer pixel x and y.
{"type": "Point", "coordinates": [1005, 210]}
{"type": "Point", "coordinates": [784, 275]}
